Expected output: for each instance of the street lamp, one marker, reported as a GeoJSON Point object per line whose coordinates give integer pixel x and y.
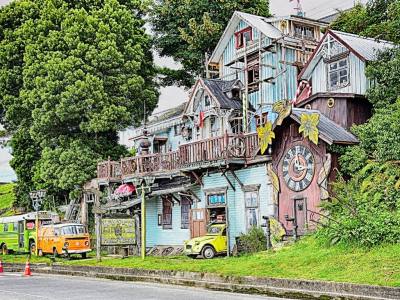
{"type": "Point", "coordinates": [37, 200]}
{"type": "Point", "coordinates": [143, 187]}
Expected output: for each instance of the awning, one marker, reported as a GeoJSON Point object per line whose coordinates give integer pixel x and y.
{"type": "Point", "coordinates": [125, 190]}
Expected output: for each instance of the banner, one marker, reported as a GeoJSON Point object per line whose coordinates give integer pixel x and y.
{"type": "Point", "coordinates": [118, 232]}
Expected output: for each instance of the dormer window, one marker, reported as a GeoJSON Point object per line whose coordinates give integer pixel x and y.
{"type": "Point", "coordinates": [207, 101]}
{"type": "Point", "coordinates": [304, 32]}
{"type": "Point", "coordinates": [243, 36]}
{"type": "Point", "coordinates": [338, 73]}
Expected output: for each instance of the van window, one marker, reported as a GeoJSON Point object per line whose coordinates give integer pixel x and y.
{"type": "Point", "coordinates": [80, 229]}
{"type": "Point", "coordinates": [16, 226]}
{"type": "Point", "coordinates": [5, 228]}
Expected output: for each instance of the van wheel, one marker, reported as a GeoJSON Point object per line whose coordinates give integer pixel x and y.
{"type": "Point", "coordinates": [40, 252]}
{"type": "Point", "coordinates": [55, 254]}
{"type": "Point", "coordinates": [208, 252]}
{"type": "Point", "coordinates": [84, 255]}
{"type": "Point", "coordinates": [4, 249]}
{"type": "Point", "coordinates": [32, 247]}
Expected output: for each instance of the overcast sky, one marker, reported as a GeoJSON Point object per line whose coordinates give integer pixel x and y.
{"type": "Point", "coordinates": [173, 96]}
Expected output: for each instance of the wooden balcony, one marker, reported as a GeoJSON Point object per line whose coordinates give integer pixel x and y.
{"type": "Point", "coordinates": [216, 151]}
{"type": "Point", "coordinates": [109, 171]}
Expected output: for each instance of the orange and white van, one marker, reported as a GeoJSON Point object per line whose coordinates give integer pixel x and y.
{"type": "Point", "coordinates": [68, 238]}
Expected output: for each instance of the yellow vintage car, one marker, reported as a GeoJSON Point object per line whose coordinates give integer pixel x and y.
{"type": "Point", "coordinates": [210, 245]}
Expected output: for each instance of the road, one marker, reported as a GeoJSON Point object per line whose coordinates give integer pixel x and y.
{"type": "Point", "coordinates": [17, 287]}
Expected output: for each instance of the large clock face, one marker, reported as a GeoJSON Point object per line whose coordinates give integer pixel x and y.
{"type": "Point", "coordinates": [298, 168]}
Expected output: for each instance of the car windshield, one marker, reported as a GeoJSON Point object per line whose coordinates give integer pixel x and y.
{"type": "Point", "coordinates": [73, 229]}
{"type": "Point", "coordinates": [214, 230]}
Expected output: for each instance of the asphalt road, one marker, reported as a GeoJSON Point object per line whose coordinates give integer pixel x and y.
{"type": "Point", "coordinates": [17, 287]}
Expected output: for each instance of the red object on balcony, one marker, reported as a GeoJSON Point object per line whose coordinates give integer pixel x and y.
{"type": "Point", "coordinates": [201, 119]}
{"type": "Point", "coordinates": [126, 189]}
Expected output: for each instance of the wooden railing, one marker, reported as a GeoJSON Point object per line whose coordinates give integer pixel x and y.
{"type": "Point", "coordinates": [228, 147]}
{"type": "Point", "coordinates": [109, 170]}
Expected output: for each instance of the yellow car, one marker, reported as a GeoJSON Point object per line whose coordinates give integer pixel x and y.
{"type": "Point", "coordinates": [210, 245]}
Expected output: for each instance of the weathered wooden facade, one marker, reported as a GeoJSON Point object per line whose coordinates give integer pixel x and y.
{"type": "Point", "coordinates": [204, 158]}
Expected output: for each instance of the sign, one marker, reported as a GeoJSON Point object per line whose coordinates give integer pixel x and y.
{"type": "Point", "coordinates": [118, 232]}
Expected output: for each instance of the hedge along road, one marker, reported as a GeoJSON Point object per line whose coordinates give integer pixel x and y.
{"type": "Point", "coordinates": [16, 287]}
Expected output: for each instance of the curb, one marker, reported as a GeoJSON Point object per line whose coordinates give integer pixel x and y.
{"type": "Point", "coordinates": [274, 287]}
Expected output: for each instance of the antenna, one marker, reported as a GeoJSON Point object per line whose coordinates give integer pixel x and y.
{"type": "Point", "coordinates": [299, 8]}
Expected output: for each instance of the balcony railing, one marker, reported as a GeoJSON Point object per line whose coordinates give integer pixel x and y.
{"type": "Point", "coordinates": [230, 147]}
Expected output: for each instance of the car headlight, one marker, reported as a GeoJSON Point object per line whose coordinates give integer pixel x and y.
{"type": "Point", "coordinates": [66, 244]}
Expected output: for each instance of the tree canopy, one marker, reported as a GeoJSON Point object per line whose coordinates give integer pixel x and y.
{"type": "Point", "coordinates": [72, 73]}
{"type": "Point", "coordinates": [187, 29]}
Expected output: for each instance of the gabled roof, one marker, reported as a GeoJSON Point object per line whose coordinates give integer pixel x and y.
{"type": "Point", "coordinates": [167, 114]}
{"type": "Point", "coordinates": [255, 21]}
{"type": "Point", "coordinates": [364, 48]}
{"type": "Point", "coordinates": [219, 88]}
{"type": "Point", "coordinates": [329, 131]}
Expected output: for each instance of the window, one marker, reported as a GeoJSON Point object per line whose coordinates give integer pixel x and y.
{"type": "Point", "coordinates": [262, 119]}
{"type": "Point", "coordinates": [167, 213]}
{"type": "Point", "coordinates": [251, 204]}
{"type": "Point", "coordinates": [305, 32]}
{"type": "Point", "coordinates": [5, 228]}
{"type": "Point", "coordinates": [207, 101]}
{"type": "Point", "coordinates": [338, 73]}
{"type": "Point", "coordinates": [253, 73]}
{"type": "Point", "coordinates": [177, 129]}
{"type": "Point", "coordinates": [185, 209]}
{"type": "Point", "coordinates": [216, 199]}
{"type": "Point", "coordinates": [243, 36]}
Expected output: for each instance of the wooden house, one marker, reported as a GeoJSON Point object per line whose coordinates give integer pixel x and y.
{"type": "Point", "coordinates": [266, 54]}
{"type": "Point", "coordinates": [332, 89]}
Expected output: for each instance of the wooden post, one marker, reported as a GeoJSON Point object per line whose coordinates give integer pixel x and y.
{"type": "Point", "coordinates": [97, 221]}
{"type": "Point", "coordinates": [37, 234]}
{"type": "Point", "coordinates": [143, 223]}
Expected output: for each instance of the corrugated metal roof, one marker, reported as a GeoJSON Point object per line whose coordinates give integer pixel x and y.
{"type": "Point", "coordinates": [261, 24]}
{"type": "Point", "coordinates": [219, 88]}
{"type": "Point", "coordinates": [366, 47]}
{"type": "Point", "coordinates": [329, 131]}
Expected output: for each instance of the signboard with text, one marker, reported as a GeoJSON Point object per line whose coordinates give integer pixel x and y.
{"type": "Point", "coordinates": [118, 232]}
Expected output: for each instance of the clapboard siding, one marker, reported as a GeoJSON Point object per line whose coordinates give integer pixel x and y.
{"type": "Point", "coordinates": [358, 80]}
{"type": "Point", "coordinates": [156, 235]}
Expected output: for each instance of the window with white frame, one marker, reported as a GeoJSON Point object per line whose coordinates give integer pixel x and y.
{"type": "Point", "coordinates": [252, 209]}
{"type": "Point", "coordinates": [338, 74]}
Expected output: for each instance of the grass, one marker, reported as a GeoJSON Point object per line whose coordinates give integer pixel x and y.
{"type": "Point", "coordinates": [7, 199]}
{"type": "Point", "coordinates": [306, 259]}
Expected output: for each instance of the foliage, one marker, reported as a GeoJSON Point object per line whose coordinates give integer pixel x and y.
{"type": "Point", "coordinates": [72, 73]}
{"type": "Point", "coordinates": [7, 196]}
{"type": "Point", "coordinates": [377, 19]}
{"type": "Point", "coordinates": [187, 29]}
{"type": "Point", "coordinates": [366, 209]}
{"type": "Point", "coordinates": [253, 241]}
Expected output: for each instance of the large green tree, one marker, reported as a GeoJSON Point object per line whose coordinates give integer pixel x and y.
{"type": "Point", "coordinates": [377, 19]}
{"type": "Point", "coordinates": [187, 29]}
{"type": "Point", "coordinates": [72, 73]}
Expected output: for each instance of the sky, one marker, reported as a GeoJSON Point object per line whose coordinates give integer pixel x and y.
{"type": "Point", "coordinates": [172, 96]}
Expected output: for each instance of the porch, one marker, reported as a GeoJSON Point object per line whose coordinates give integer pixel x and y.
{"type": "Point", "coordinates": [207, 153]}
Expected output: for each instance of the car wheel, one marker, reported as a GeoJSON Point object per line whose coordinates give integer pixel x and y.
{"type": "Point", "coordinates": [84, 255]}
{"type": "Point", "coordinates": [55, 254]}
{"type": "Point", "coordinates": [208, 252]}
{"type": "Point", "coordinates": [4, 249]}
{"type": "Point", "coordinates": [40, 252]}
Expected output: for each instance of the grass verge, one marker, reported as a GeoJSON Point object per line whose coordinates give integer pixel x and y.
{"type": "Point", "coordinates": [306, 259]}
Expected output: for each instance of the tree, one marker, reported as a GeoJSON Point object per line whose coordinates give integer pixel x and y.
{"type": "Point", "coordinates": [187, 29]}
{"type": "Point", "coordinates": [72, 74]}
{"type": "Point", "coordinates": [377, 19]}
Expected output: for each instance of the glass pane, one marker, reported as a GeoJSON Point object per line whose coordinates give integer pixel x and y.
{"type": "Point", "coordinates": [333, 79]}
{"type": "Point", "coordinates": [343, 63]}
{"type": "Point", "coordinates": [247, 36]}
{"type": "Point", "coordinates": [251, 199]}
{"type": "Point", "coordinates": [343, 72]}
{"type": "Point", "coordinates": [252, 217]}
{"type": "Point", "coordinates": [333, 66]}
{"type": "Point", "coordinates": [343, 80]}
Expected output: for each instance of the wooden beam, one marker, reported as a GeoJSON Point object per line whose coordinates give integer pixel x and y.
{"type": "Point", "coordinates": [227, 179]}
{"type": "Point", "coordinates": [198, 178]}
{"type": "Point", "coordinates": [237, 178]}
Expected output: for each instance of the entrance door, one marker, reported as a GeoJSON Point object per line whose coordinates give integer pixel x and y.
{"type": "Point", "coordinates": [198, 222]}
{"type": "Point", "coordinates": [300, 213]}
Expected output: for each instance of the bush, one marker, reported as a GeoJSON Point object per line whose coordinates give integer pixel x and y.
{"type": "Point", "coordinates": [253, 241]}
{"type": "Point", "coordinates": [366, 209]}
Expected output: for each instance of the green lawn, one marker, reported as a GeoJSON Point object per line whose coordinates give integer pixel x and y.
{"type": "Point", "coordinates": [304, 260]}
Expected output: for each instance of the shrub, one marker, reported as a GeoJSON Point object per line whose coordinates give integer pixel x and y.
{"type": "Point", "coordinates": [366, 209]}
{"type": "Point", "coordinates": [253, 241]}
